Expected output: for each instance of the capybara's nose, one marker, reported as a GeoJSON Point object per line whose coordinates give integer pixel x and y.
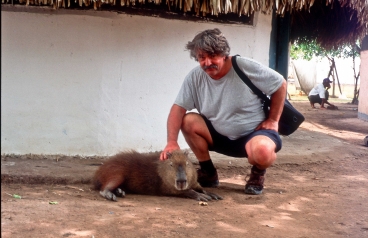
{"type": "Point", "coordinates": [181, 178]}
{"type": "Point", "coordinates": [181, 184]}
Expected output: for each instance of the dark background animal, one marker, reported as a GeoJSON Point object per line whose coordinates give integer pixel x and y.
{"type": "Point", "coordinates": [144, 173]}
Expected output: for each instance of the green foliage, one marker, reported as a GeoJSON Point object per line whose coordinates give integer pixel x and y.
{"type": "Point", "coordinates": [307, 49]}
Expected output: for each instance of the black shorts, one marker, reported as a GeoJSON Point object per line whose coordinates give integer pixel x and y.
{"type": "Point", "coordinates": [236, 148]}
{"type": "Point", "coordinates": [317, 99]}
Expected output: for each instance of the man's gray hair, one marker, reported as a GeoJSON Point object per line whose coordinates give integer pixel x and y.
{"type": "Point", "coordinates": [211, 41]}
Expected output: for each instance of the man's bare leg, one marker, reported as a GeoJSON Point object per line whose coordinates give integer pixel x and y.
{"type": "Point", "coordinates": [197, 135]}
{"type": "Point", "coordinates": [198, 138]}
{"type": "Point", "coordinates": [261, 154]}
{"type": "Point", "coordinates": [261, 151]}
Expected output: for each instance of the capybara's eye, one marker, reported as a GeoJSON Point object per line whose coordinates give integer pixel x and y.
{"type": "Point", "coordinates": [171, 164]}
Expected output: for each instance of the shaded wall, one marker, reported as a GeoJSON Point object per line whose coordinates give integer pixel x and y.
{"type": "Point", "coordinates": [96, 83]}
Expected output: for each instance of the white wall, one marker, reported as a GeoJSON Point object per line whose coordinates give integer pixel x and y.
{"type": "Point", "coordinates": [363, 93]}
{"type": "Point", "coordinates": [96, 83]}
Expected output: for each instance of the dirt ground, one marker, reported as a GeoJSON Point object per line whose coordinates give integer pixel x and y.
{"type": "Point", "coordinates": [317, 188]}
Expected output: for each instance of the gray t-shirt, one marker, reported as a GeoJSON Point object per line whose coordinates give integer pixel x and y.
{"type": "Point", "coordinates": [231, 106]}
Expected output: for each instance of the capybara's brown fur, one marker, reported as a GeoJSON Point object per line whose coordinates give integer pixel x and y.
{"type": "Point", "coordinates": [145, 173]}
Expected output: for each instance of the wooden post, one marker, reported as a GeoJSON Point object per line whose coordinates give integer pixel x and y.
{"type": "Point", "coordinates": [331, 74]}
{"type": "Point", "coordinates": [337, 76]}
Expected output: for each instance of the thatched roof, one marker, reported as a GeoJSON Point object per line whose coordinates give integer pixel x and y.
{"type": "Point", "coordinates": [330, 21]}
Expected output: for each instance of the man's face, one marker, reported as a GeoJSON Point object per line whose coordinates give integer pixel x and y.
{"type": "Point", "coordinates": [213, 65]}
{"type": "Point", "coordinates": [327, 85]}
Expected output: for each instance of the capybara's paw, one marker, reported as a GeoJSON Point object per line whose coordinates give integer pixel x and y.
{"type": "Point", "coordinates": [120, 193]}
{"type": "Point", "coordinates": [196, 195]}
{"type": "Point", "coordinates": [213, 195]}
{"type": "Point", "coordinates": [203, 197]}
{"type": "Point", "coordinates": [108, 195]}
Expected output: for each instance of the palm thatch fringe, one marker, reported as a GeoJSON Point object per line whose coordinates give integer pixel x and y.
{"type": "Point", "coordinates": [215, 7]}
{"type": "Point", "coordinates": [311, 18]}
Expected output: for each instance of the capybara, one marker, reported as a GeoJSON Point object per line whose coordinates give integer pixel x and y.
{"type": "Point", "coordinates": [145, 173]}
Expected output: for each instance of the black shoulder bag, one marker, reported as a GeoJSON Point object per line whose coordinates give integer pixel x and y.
{"type": "Point", "coordinates": [290, 118]}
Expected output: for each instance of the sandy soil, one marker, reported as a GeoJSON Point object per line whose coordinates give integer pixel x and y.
{"type": "Point", "coordinates": [317, 188]}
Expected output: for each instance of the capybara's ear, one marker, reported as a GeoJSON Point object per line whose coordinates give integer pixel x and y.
{"type": "Point", "coordinates": [169, 154]}
{"type": "Point", "coordinates": [186, 153]}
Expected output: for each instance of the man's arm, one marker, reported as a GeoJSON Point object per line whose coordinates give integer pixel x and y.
{"type": "Point", "coordinates": [325, 101]}
{"type": "Point", "coordinates": [277, 104]}
{"type": "Point", "coordinates": [174, 122]}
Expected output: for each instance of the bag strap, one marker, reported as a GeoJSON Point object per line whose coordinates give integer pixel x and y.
{"type": "Point", "coordinates": [247, 81]}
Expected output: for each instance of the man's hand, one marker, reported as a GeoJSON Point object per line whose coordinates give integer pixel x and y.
{"type": "Point", "coordinates": [276, 107]}
{"type": "Point", "coordinates": [174, 122]}
{"type": "Point", "coordinates": [268, 124]}
{"type": "Point", "coordinates": [171, 146]}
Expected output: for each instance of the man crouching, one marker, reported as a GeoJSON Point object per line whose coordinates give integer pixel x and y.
{"type": "Point", "coordinates": [231, 120]}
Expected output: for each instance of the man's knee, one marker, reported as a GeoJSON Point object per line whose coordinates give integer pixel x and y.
{"type": "Point", "coordinates": [195, 130]}
{"type": "Point", "coordinates": [190, 122]}
{"type": "Point", "coordinates": [264, 148]}
{"type": "Point", "coordinates": [261, 150]}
